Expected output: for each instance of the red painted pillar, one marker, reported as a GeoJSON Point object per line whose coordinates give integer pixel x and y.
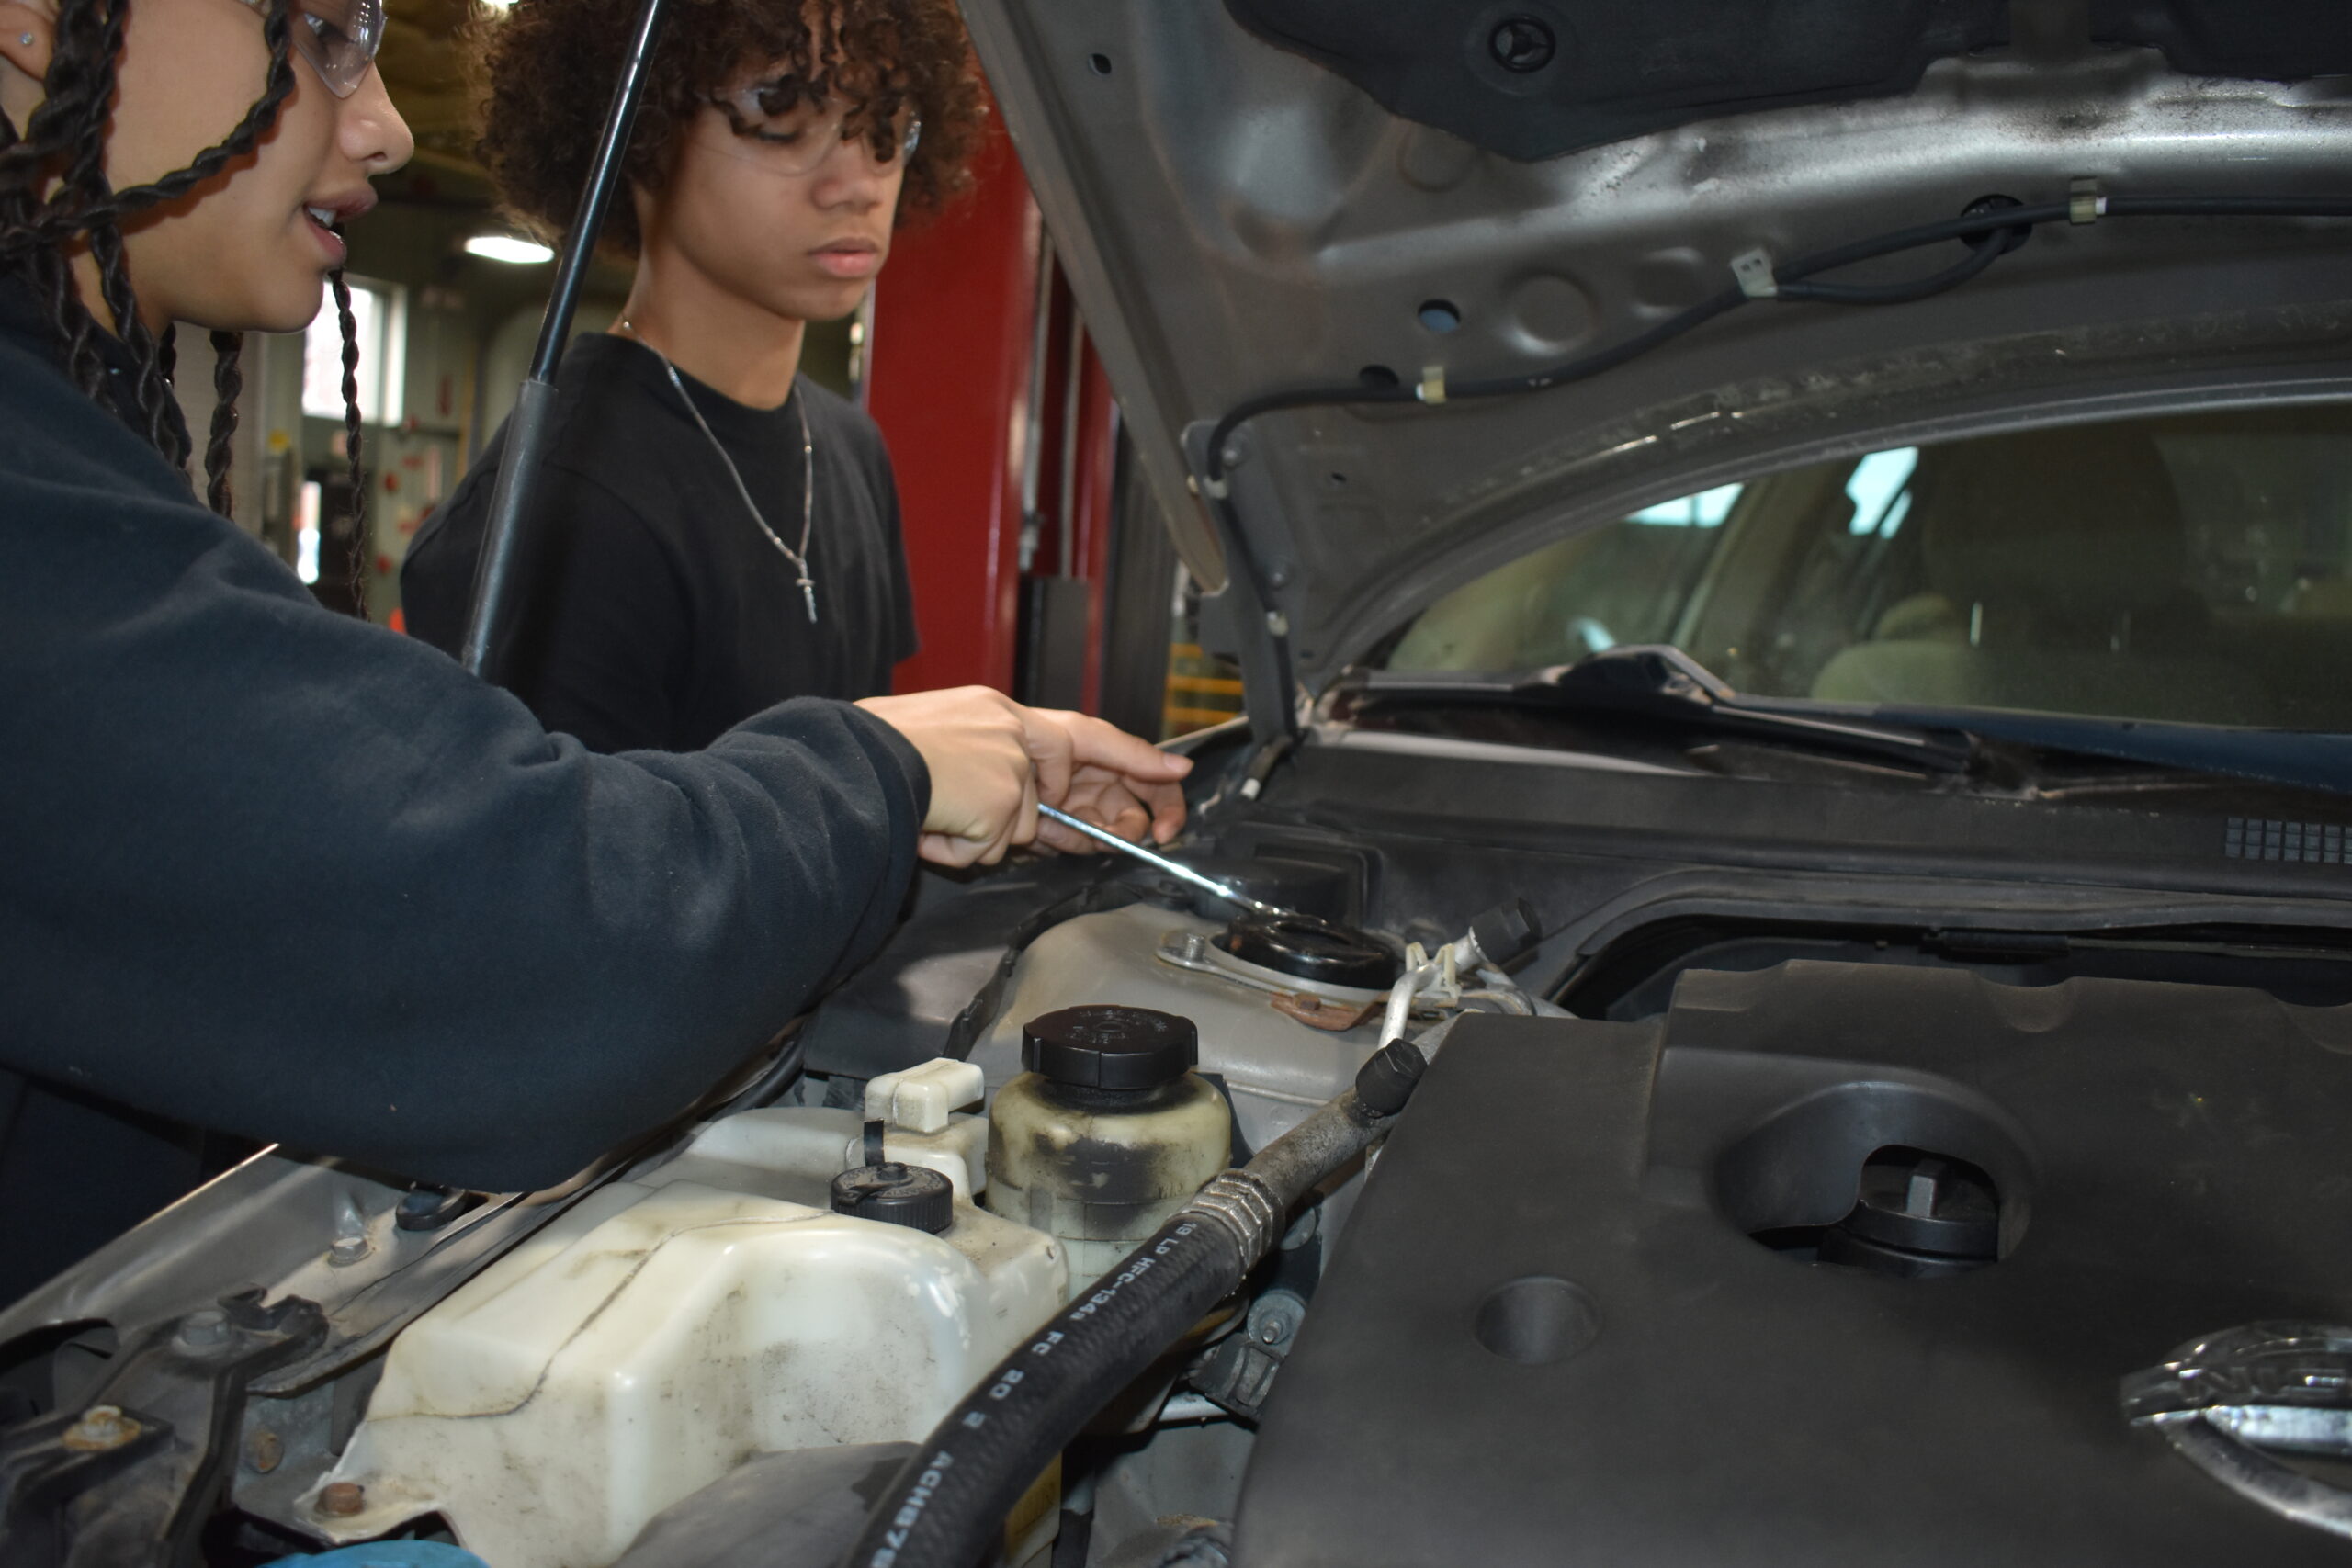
{"type": "Point", "coordinates": [948, 373]}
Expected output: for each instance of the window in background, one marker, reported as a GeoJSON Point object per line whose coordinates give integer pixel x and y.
{"type": "Point", "coordinates": [306, 532]}
{"type": "Point", "coordinates": [379, 310]}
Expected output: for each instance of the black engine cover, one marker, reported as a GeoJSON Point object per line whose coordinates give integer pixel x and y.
{"type": "Point", "coordinates": [1548, 1336]}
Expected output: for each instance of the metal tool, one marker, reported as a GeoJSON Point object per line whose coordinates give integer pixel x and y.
{"type": "Point", "coordinates": [1161, 863]}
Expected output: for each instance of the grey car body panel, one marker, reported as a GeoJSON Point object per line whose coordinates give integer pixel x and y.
{"type": "Point", "coordinates": [1238, 220]}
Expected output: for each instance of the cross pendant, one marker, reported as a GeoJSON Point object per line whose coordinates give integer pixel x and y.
{"type": "Point", "coordinates": [808, 595]}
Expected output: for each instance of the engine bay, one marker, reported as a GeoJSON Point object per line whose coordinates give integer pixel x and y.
{"type": "Point", "coordinates": [1879, 1229]}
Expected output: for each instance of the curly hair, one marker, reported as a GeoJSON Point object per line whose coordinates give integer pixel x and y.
{"type": "Point", "coordinates": [543, 74]}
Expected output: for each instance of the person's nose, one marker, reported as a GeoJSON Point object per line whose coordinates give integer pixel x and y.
{"type": "Point", "coordinates": [370, 131]}
{"type": "Point", "coordinates": [853, 179]}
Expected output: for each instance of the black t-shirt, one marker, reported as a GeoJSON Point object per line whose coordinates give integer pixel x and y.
{"type": "Point", "coordinates": [654, 613]}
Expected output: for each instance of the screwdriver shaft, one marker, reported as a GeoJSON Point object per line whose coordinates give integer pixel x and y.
{"type": "Point", "coordinates": [1161, 863]}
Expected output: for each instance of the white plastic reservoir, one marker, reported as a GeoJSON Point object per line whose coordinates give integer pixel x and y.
{"type": "Point", "coordinates": [665, 1329]}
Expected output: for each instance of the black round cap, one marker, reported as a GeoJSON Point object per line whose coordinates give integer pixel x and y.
{"type": "Point", "coordinates": [1105, 1047]}
{"type": "Point", "coordinates": [911, 1195]}
{"type": "Point", "coordinates": [1312, 949]}
{"type": "Point", "coordinates": [1386, 1080]}
{"type": "Point", "coordinates": [1926, 1204]}
{"type": "Point", "coordinates": [1507, 930]}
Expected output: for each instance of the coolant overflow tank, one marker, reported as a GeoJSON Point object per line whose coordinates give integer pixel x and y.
{"type": "Point", "coordinates": [1108, 1133]}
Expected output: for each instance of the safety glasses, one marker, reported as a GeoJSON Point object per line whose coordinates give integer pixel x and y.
{"type": "Point", "coordinates": [339, 38]}
{"type": "Point", "coordinates": [797, 134]}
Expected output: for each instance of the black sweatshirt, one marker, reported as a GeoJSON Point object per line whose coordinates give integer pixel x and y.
{"type": "Point", "coordinates": [267, 870]}
{"type": "Point", "coordinates": [655, 612]}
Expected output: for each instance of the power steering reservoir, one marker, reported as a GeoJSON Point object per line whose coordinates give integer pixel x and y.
{"type": "Point", "coordinates": [1108, 1133]}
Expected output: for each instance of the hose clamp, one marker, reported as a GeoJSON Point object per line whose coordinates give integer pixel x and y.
{"type": "Point", "coordinates": [1244, 1208]}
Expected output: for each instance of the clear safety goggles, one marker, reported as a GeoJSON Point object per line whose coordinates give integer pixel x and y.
{"type": "Point", "coordinates": [339, 38]}
{"type": "Point", "coordinates": [795, 135]}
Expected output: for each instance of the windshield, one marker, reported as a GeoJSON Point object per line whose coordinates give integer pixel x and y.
{"type": "Point", "coordinates": [2194, 568]}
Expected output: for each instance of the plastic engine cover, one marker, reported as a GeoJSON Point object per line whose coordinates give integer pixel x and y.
{"type": "Point", "coordinates": [1550, 1335]}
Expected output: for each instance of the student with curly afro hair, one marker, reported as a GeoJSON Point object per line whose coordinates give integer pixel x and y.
{"type": "Point", "coordinates": [714, 532]}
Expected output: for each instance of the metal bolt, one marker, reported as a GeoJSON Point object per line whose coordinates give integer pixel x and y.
{"type": "Point", "coordinates": [350, 1244]}
{"type": "Point", "coordinates": [204, 1329]}
{"type": "Point", "coordinates": [1276, 1318]}
{"type": "Point", "coordinates": [264, 1450]}
{"type": "Point", "coordinates": [1521, 44]}
{"type": "Point", "coordinates": [1196, 947]}
{"type": "Point", "coordinates": [103, 1427]}
{"type": "Point", "coordinates": [341, 1499]}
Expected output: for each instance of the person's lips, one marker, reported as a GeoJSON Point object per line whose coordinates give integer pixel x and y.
{"type": "Point", "coordinates": [849, 258]}
{"type": "Point", "coordinates": [330, 214]}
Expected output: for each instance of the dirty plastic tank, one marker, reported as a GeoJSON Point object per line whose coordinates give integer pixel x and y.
{"type": "Point", "coordinates": [1108, 1133]}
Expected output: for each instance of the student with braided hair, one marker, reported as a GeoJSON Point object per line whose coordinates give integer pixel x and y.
{"type": "Point", "coordinates": [272, 873]}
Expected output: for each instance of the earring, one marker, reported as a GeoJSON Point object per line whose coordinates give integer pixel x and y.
{"type": "Point", "coordinates": [25, 40]}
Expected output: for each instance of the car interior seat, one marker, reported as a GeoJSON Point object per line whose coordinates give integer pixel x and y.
{"type": "Point", "coordinates": [2055, 564]}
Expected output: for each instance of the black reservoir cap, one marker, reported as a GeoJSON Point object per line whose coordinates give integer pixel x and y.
{"type": "Point", "coordinates": [1106, 1047]}
{"type": "Point", "coordinates": [912, 1195]}
{"type": "Point", "coordinates": [1312, 949]}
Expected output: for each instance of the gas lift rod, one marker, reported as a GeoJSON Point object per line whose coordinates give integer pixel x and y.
{"type": "Point", "coordinates": [530, 426]}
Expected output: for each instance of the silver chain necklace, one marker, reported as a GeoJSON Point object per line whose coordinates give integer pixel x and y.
{"type": "Point", "coordinates": [799, 557]}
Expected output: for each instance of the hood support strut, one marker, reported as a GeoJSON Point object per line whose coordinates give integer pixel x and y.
{"type": "Point", "coordinates": [529, 428]}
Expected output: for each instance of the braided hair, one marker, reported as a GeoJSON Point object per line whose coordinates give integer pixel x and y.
{"type": "Point", "coordinates": [65, 139]}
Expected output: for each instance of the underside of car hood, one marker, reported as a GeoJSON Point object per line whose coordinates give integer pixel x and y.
{"type": "Point", "coordinates": [1262, 196]}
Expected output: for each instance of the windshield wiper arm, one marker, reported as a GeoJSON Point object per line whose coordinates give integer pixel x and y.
{"type": "Point", "coordinates": [2313, 759]}
{"type": "Point", "coordinates": [1665, 684]}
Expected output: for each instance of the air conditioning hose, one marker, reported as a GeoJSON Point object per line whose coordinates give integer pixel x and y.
{"type": "Point", "coordinates": [944, 1509]}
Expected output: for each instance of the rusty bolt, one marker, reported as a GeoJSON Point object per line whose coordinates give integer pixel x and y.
{"type": "Point", "coordinates": [341, 1499]}
{"type": "Point", "coordinates": [264, 1450]}
{"type": "Point", "coordinates": [102, 1428]}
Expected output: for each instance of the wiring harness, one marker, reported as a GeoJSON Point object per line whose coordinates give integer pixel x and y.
{"type": "Point", "coordinates": [1990, 229]}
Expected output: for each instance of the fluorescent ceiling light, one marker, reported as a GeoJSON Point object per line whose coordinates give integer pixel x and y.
{"type": "Point", "coordinates": [507, 248]}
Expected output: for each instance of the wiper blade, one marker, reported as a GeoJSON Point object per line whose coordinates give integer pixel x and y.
{"type": "Point", "coordinates": [1664, 685]}
{"type": "Point", "coordinates": [2312, 759]}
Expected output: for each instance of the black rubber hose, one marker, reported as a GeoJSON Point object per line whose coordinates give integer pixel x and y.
{"type": "Point", "coordinates": [969, 1472]}
{"type": "Point", "coordinates": [949, 1502]}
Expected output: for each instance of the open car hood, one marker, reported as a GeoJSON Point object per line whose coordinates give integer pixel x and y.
{"type": "Point", "coordinates": [1251, 196]}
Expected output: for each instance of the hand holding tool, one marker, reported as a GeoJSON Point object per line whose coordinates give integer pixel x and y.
{"type": "Point", "coordinates": [1159, 861]}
